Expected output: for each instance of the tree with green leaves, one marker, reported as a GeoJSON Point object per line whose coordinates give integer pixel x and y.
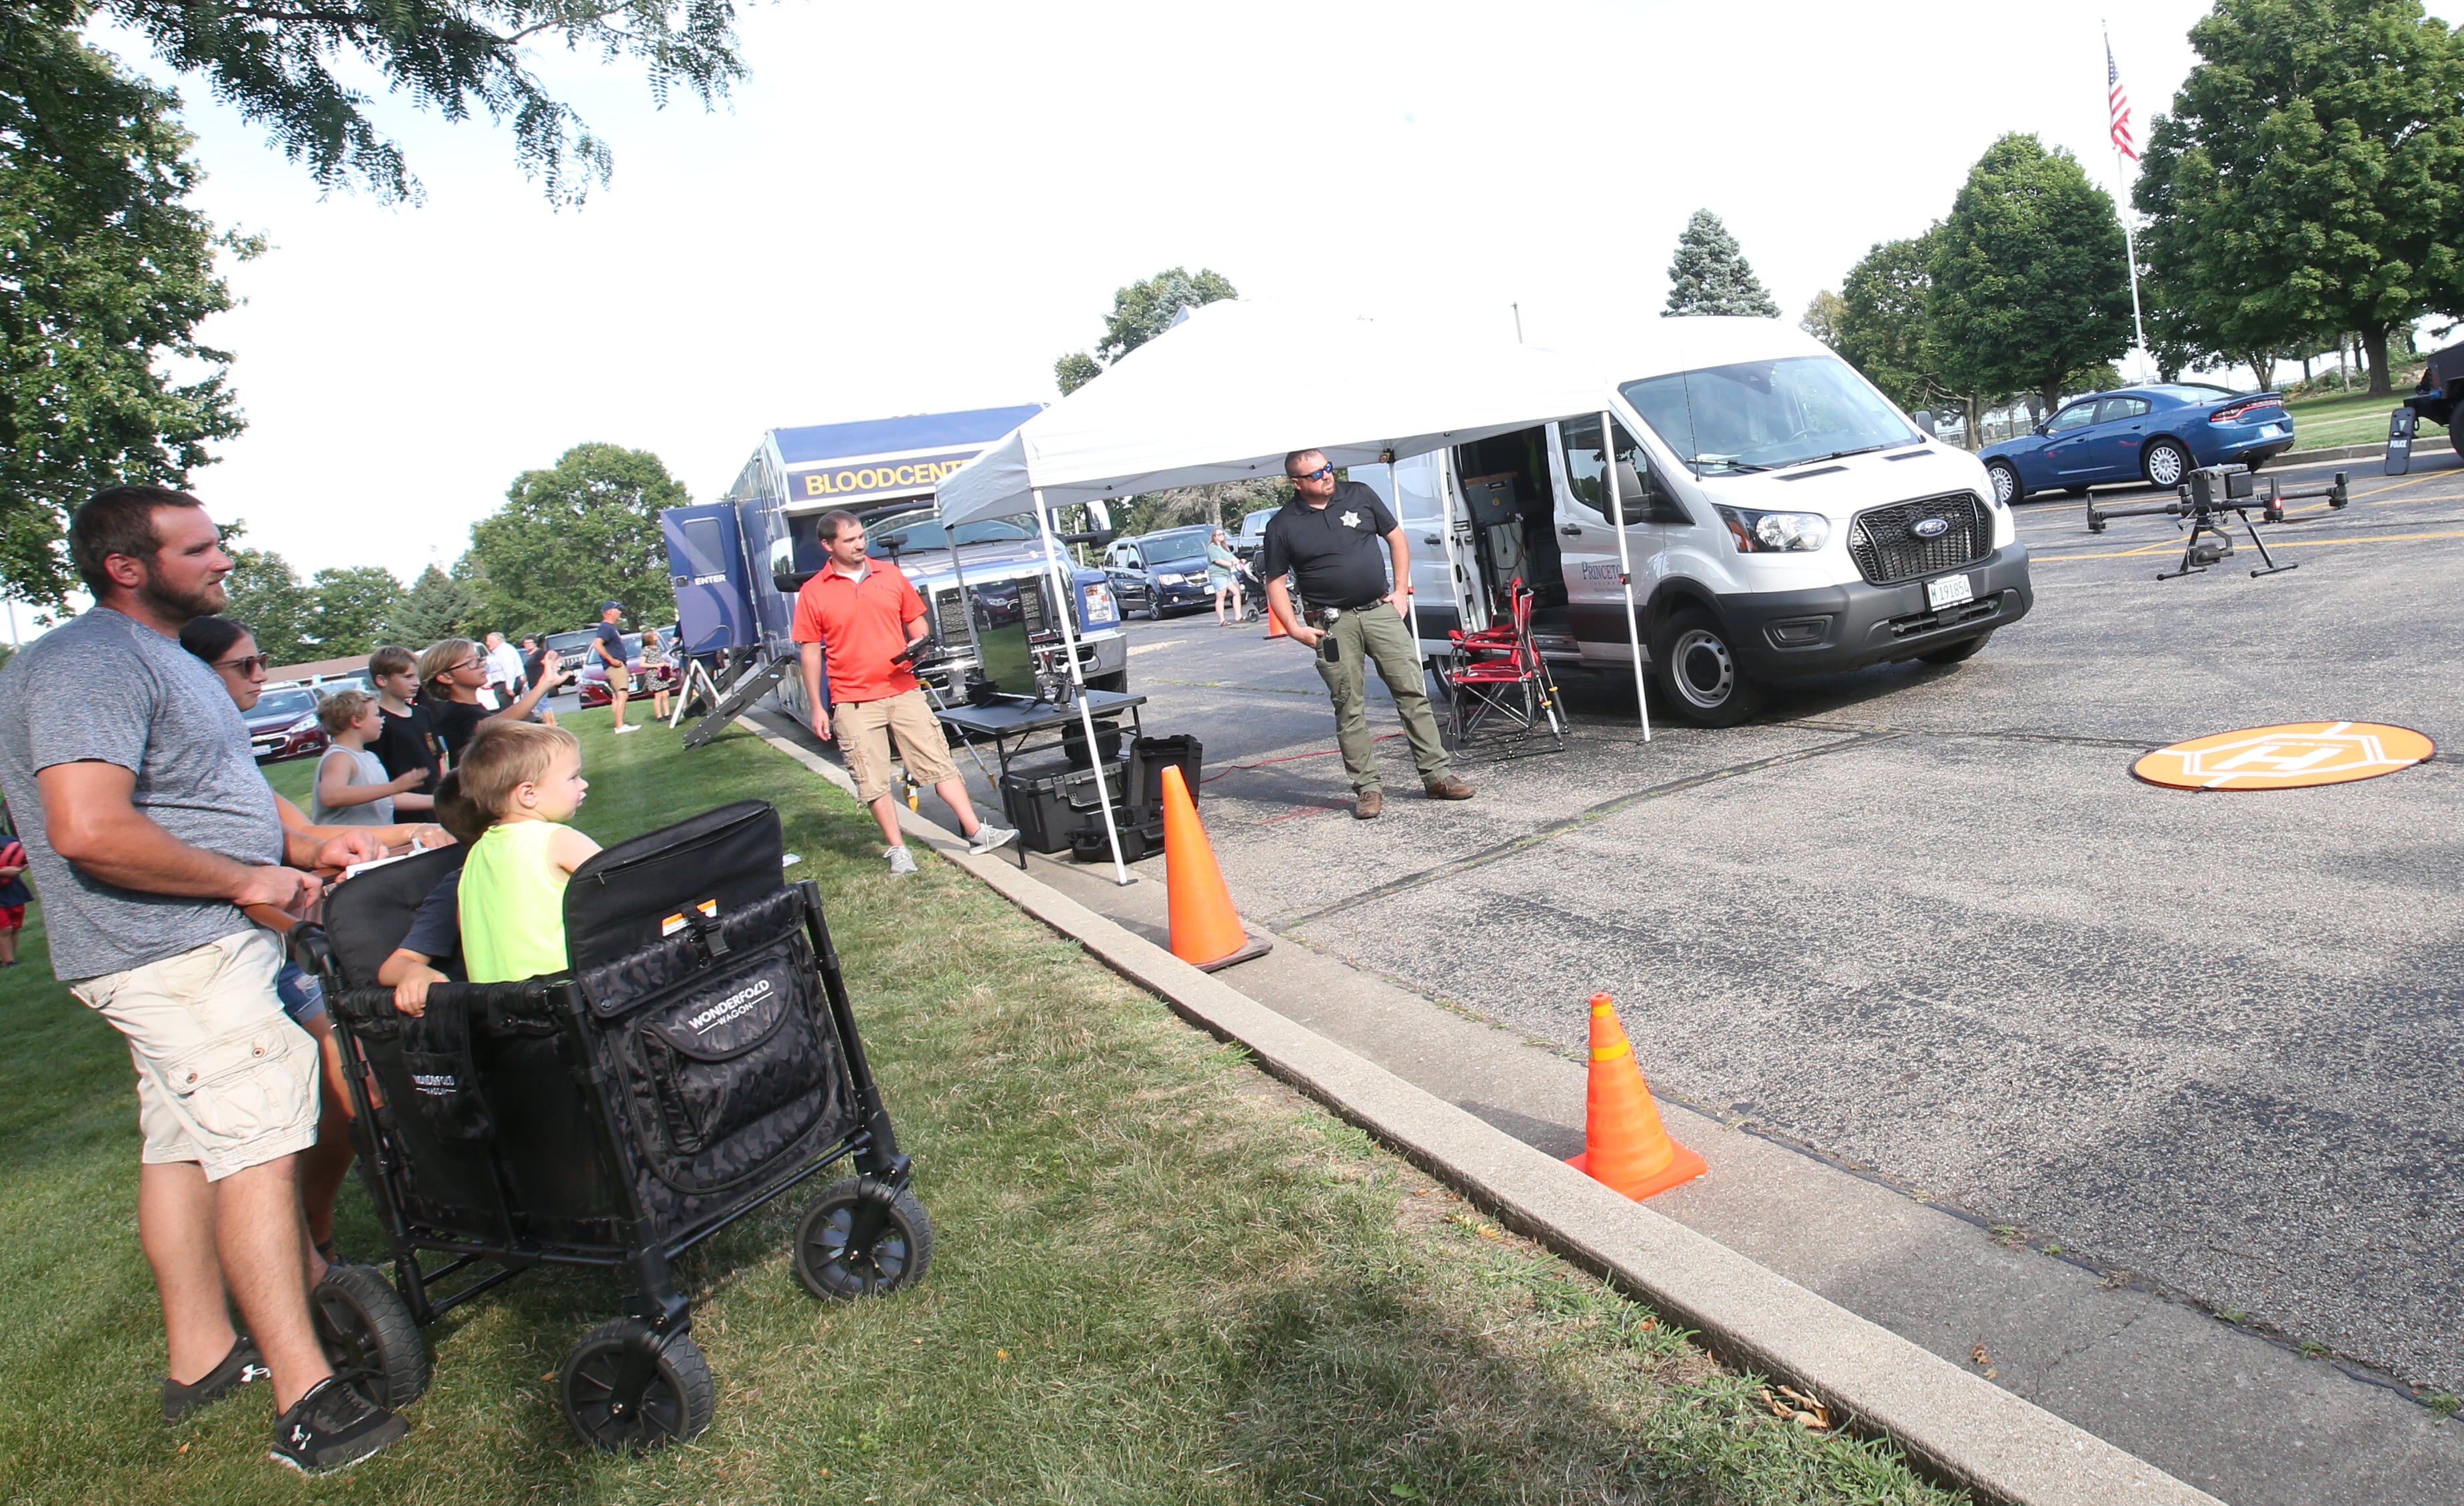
{"type": "Point", "coordinates": [352, 606]}
{"type": "Point", "coordinates": [437, 607]}
{"type": "Point", "coordinates": [1881, 323]}
{"type": "Point", "coordinates": [290, 68]}
{"type": "Point", "coordinates": [105, 274]}
{"type": "Point", "coordinates": [266, 595]}
{"type": "Point", "coordinates": [1140, 312]}
{"type": "Point", "coordinates": [2028, 280]}
{"type": "Point", "coordinates": [2310, 175]}
{"type": "Point", "coordinates": [1709, 274]}
{"type": "Point", "coordinates": [1821, 317]}
{"type": "Point", "coordinates": [570, 537]}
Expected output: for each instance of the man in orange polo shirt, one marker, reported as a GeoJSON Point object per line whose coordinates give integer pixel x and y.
{"type": "Point", "coordinates": [863, 613]}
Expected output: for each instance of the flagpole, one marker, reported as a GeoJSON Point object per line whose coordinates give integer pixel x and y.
{"type": "Point", "coordinates": [2121, 181]}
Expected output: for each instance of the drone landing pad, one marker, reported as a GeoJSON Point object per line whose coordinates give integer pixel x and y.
{"type": "Point", "coordinates": [2285, 758]}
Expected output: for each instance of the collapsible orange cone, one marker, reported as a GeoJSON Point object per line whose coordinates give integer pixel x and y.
{"type": "Point", "coordinates": [1275, 625]}
{"type": "Point", "coordinates": [1206, 931]}
{"type": "Point", "coordinates": [1625, 1147]}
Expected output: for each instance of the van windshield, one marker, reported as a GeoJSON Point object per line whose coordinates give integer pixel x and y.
{"type": "Point", "coordinates": [921, 530]}
{"type": "Point", "coordinates": [1760, 415]}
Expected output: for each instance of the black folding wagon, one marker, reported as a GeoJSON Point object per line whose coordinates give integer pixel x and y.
{"type": "Point", "coordinates": [697, 1059]}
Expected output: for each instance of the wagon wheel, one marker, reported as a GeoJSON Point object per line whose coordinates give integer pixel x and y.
{"type": "Point", "coordinates": [675, 1401]}
{"type": "Point", "coordinates": [367, 1334]}
{"type": "Point", "coordinates": [849, 1245]}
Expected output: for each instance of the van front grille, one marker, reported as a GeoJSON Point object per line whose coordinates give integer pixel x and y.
{"type": "Point", "coordinates": [1889, 548]}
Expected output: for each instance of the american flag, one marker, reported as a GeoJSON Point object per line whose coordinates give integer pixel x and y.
{"type": "Point", "coordinates": [2118, 103]}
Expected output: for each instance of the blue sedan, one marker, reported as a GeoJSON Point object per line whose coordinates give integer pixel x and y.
{"type": "Point", "coordinates": [2152, 435]}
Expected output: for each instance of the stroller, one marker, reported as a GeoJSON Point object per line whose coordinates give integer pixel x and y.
{"type": "Point", "coordinates": [697, 1059]}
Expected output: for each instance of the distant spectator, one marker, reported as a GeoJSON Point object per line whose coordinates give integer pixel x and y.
{"type": "Point", "coordinates": [352, 788]}
{"type": "Point", "coordinates": [450, 674]}
{"type": "Point", "coordinates": [655, 660]}
{"type": "Point", "coordinates": [155, 829]}
{"type": "Point", "coordinates": [408, 739]}
{"type": "Point", "coordinates": [607, 647]}
{"type": "Point", "coordinates": [14, 897]}
{"type": "Point", "coordinates": [504, 667]}
{"type": "Point", "coordinates": [531, 673]}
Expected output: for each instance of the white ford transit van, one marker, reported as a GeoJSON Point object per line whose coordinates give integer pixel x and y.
{"type": "Point", "coordinates": [1782, 519]}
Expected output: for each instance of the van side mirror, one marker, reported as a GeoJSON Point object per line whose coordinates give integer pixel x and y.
{"type": "Point", "coordinates": [1925, 422]}
{"type": "Point", "coordinates": [1099, 527]}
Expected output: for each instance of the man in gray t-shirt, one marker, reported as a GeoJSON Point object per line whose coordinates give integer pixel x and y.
{"type": "Point", "coordinates": [149, 830]}
{"type": "Point", "coordinates": [107, 688]}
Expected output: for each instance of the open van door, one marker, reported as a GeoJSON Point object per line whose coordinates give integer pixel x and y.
{"type": "Point", "coordinates": [1445, 584]}
{"type": "Point", "coordinates": [1595, 596]}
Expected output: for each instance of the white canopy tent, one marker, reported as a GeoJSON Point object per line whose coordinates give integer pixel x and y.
{"type": "Point", "coordinates": [1226, 392]}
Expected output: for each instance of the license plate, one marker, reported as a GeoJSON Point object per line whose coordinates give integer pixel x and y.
{"type": "Point", "coordinates": [2272, 432]}
{"type": "Point", "coordinates": [1949, 591]}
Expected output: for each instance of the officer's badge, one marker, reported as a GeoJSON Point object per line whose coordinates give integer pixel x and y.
{"type": "Point", "coordinates": [1352, 520]}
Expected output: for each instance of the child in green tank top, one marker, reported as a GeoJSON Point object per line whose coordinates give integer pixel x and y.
{"type": "Point", "coordinates": [528, 780]}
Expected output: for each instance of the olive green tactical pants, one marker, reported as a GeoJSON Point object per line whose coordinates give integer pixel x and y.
{"type": "Point", "coordinates": [1376, 632]}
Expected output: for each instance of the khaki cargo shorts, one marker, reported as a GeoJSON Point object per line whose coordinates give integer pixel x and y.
{"type": "Point", "coordinates": [224, 1078]}
{"type": "Point", "coordinates": [862, 728]}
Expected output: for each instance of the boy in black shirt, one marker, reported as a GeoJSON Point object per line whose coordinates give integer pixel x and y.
{"type": "Point", "coordinates": [405, 740]}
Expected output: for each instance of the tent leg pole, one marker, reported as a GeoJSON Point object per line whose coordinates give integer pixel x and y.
{"type": "Point", "coordinates": [1066, 609]}
{"type": "Point", "coordinates": [1625, 566]}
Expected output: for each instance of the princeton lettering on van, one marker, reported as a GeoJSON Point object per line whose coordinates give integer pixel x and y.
{"type": "Point", "coordinates": [919, 474]}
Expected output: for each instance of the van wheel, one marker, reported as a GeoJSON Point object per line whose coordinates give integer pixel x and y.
{"type": "Point", "coordinates": [2005, 477]}
{"type": "Point", "coordinates": [1700, 673]}
{"type": "Point", "coordinates": [1953, 653]}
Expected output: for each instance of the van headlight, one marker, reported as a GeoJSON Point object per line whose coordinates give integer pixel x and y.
{"type": "Point", "coordinates": [1775, 533]}
{"type": "Point", "coordinates": [1170, 579]}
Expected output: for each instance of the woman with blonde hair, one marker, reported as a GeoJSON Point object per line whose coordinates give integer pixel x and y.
{"type": "Point", "coordinates": [450, 674]}
{"type": "Point", "coordinates": [1224, 578]}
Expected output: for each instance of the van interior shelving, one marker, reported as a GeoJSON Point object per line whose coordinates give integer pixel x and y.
{"type": "Point", "coordinates": [1505, 486]}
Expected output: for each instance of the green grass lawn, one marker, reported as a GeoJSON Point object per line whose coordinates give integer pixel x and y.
{"type": "Point", "coordinates": [2328, 423]}
{"type": "Point", "coordinates": [1159, 1276]}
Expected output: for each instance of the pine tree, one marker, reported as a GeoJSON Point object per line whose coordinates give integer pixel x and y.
{"type": "Point", "coordinates": [1709, 274]}
{"type": "Point", "coordinates": [437, 606]}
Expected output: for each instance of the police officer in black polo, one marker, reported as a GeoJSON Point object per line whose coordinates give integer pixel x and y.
{"type": "Point", "coordinates": [1327, 537]}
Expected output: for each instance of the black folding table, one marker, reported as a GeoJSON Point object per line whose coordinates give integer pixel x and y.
{"type": "Point", "coordinates": [1013, 724]}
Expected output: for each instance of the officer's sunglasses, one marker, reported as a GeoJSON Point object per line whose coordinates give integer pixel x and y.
{"type": "Point", "coordinates": [1318, 474]}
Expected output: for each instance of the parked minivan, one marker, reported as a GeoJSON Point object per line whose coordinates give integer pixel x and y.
{"type": "Point", "coordinates": [1783, 518]}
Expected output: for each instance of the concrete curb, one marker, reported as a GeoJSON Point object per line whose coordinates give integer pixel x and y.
{"type": "Point", "coordinates": [1959, 1426]}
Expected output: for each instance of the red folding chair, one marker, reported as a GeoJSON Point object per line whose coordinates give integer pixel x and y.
{"type": "Point", "coordinates": [1498, 672]}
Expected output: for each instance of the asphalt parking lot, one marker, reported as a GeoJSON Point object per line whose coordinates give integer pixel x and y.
{"type": "Point", "coordinates": [1922, 919]}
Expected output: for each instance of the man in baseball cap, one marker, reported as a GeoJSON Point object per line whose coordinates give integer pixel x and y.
{"type": "Point", "coordinates": [610, 647]}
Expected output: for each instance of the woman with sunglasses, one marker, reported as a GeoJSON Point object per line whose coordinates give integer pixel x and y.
{"type": "Point", "coordinates": [229, 649]}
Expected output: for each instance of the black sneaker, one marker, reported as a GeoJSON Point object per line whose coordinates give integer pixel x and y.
{"type": "Point", "coordinates": [239, 1367]}
{"type": "Point", "coordinates": [333, 1428]}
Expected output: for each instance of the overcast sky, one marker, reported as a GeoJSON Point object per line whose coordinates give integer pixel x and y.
{"type": "Point", "coordinates": [909, 210]}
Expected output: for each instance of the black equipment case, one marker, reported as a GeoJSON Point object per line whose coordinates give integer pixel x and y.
{"type": "Point", "coordinates": [696, 1060]}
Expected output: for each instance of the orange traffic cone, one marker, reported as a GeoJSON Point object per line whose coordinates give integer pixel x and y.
{"type": "Point", "coordinates": [1206, 931]}
{"type": "Point", "coordinates": [1625, 1147]}
{"type": "Point", "coordinates": [1275, 625]}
